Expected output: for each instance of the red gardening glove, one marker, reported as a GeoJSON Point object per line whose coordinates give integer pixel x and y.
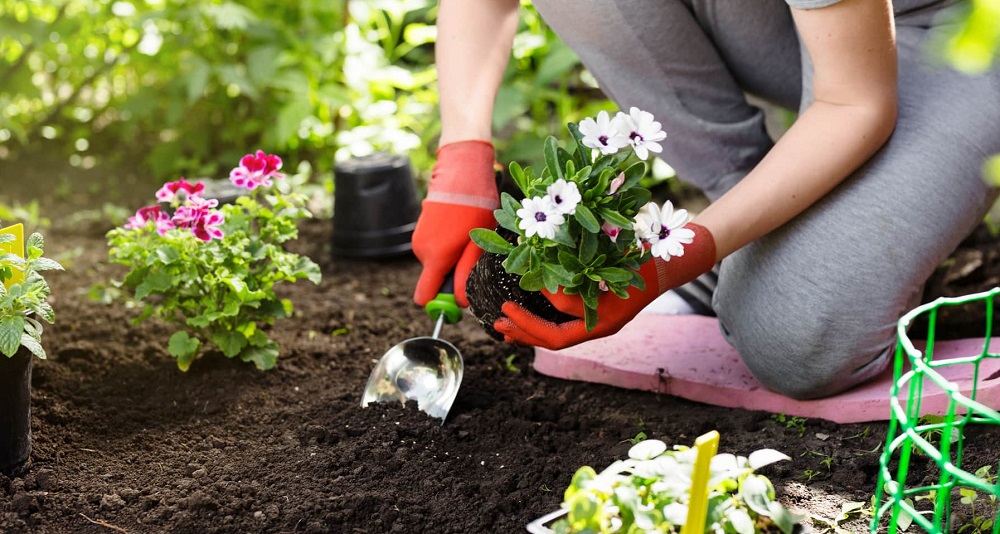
{"type": "Point", "coordinates": [521, 326]}
{"type": "Point", "coordinates": [462, 196]}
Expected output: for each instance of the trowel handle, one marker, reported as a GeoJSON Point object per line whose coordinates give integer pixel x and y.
{"type": "Point", "coordinates": [444, 303]}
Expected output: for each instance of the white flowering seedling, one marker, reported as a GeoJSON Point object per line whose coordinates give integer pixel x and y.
{"type": "Point", "coordinates": [650, 492]}
{"type": "Point", "coordinates": [585, 224]}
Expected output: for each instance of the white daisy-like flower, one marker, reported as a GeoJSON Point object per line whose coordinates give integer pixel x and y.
{"type": "Point", "coordinates": [538, 216]}
{"type": "Point", "coordinates": [641, 131]}
{"type": "Point", "coordinates": [602, 134]}
{"type": "Point", "coordinates": [663, 229]}
{"type": "Point", "coordinates": [565, 196]}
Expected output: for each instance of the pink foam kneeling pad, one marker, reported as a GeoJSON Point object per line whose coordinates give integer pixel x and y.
{"type": "Point", "coordinates": [686, 356]}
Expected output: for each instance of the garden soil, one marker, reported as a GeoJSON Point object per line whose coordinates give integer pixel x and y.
{"type": "Point", "coordinates": [125, 442]}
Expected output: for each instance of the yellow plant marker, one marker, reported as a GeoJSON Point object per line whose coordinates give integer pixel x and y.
{"type": "Point", "coordinates": [15, 247]}
{"type": "Point", "coordinates": [706, 446]}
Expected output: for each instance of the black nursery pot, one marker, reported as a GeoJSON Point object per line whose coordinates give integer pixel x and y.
{"type": "Point", "coordinates": [375, 206]}
{"type": "Point", "coordinates": [489, 286]}
{"type": "Point", "coordinates": [15, 412]}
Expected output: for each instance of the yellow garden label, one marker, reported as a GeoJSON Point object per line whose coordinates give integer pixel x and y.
{"type": "Point", "coordinates": [14, 247]}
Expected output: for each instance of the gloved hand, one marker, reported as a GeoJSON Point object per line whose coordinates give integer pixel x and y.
{"type": "Point", "coordinates": [521, 326]}
{"type": "Point", "coordinates": [462, 196]}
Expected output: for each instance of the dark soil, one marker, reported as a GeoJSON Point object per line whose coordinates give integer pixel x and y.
{"type": "Point", "coordinates": [124, 442]}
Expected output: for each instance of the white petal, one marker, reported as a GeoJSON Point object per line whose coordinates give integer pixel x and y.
{"type": "Point", "coordinates": [678, 219]}
{"type": "Point", "coordinates": [653, 146]}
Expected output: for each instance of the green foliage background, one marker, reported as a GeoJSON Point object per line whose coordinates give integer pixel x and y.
{"type": "Point", "coordinates": [184, 87]}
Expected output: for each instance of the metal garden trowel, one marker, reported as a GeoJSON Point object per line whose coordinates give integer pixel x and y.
{"type": "Point", "coordinates": [425, 369]}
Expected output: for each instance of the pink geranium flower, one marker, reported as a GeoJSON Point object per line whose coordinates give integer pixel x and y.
{"type": "Point", "coordinates": [150, 214]}
{"type": "Point", "coordinates": [207, 227]}
{"type": "Point", "coordinates": [256, 170]}
{"type": "Point", "coordinates": [170, 190]}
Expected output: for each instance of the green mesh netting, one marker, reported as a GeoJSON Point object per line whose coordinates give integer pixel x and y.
{"type": "Point", "coordinates": [919, 503]}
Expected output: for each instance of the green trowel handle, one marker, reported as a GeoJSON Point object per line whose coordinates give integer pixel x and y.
{"type": "Point", "coordinates": [444, 303]}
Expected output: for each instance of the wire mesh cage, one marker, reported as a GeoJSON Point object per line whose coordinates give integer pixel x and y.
{"type": "Point", "coordinates": [902, 503]}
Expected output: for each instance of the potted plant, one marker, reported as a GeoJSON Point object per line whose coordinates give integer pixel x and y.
{"type": "Point", "coordinates": [23, 303]}
{"type": "Point", "coordinates": [650, 491]}
{"type": "Point", "coordinates": [211, 270]}
{"type": "Point", "coordinates": [575, 225]}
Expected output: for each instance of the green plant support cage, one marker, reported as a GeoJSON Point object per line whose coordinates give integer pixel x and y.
{"type": "Point", "coordinates": [907, 431]}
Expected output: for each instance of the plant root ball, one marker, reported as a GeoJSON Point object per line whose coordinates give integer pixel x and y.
{"type": "Point", "coordinates": [489, 286]}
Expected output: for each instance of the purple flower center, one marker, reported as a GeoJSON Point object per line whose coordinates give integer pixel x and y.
{"type": "Point", "coordinates": [664, 232]}
{"type": "Point", "coordinates": [603, 140]}
{"type": "Point", "coordinates": [540, 216]}
{"type": "Point", "coordinates": [558, 199]}
{"type": "Point", "coordinates": [635, 135]}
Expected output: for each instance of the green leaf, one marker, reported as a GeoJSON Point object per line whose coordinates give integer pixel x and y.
{"type": "Point", "coordinates": [532, 281]}
{"type": "Point", "coordinates": [506, 220]}
{"type": "Point", "coordinates": [741, 521]}
{"type": "Point", "coordinates": [45, 264]}
{"type": "Point", "coordinates": [583, 152]}
{"type": "Point", "coordinates": [587, 219]}
{"type": "Point", "coordinates": [588, 247]}
{"type": "Point", "coordinates": [518, 260]}
{"type": "Point", "coordinates": [6, 238]}
{"type": "Point", "coordinates": [32, 345]}
{"type": "Point", "coordinates": [784, 519]}
{"type": "Point", "coordinates": [264, 357]}
{"type": "Point", "coordinates": [184, 348]}
{"type": "Point", "coordinates": [757, 493]}
{"type": "Point", "coordinates": [167, 254]}
{"type": "Point", "coordinates": [590, 318]}
{"type": "Point", "coordinates": [11, 329]}
{"type": "Point", "coordinates": [554, 276]}
{"type": "Point", "coordinates": [615, 218]}
{"type": "Point", "coordinates": [614, 274]}
{"type": "Point", "coordinates": [229, 342]}
{"type": "Point", "coordinates": [570, 262]}
{"type": "Point", "coordinates": [520, 180]}
{"type": "Point", "coordinates": [35, 240]}
{"type": "Point", "coordinates": [633, 174]}
{"type": "Point", "coordinates": [551, 151]}
{"type": "Point", "coordinates": [155, 282]}
{"type": "Point", "coordinates": [490, 241]}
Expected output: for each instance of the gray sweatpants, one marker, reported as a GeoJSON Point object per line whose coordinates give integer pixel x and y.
{"type": "Point", "coordinates": [812, 307]}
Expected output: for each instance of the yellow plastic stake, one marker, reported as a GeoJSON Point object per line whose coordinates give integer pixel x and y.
{"type": "Point", "coordinates": [15, 247]}
{"type": "Point", "coordinates": [706, 446]}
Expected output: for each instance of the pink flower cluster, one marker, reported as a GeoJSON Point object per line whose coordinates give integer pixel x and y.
{"type": "Point", "coordinates": [182, 206]}
{"type": "Point", "coordinates": [191, 211]}
{"type": "Point", "coordinates": [256, 170]}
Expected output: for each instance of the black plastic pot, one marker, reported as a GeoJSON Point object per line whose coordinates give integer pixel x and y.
{"type": "Point", "coordinates": [15, 412]}
{"type": "Point", "coordinates": [375, 206]}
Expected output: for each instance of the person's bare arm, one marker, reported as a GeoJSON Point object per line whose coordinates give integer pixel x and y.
{"type": "Point", "coordinates": [474, 42]}
{"type": "Point", "coordinates": [852, 46]}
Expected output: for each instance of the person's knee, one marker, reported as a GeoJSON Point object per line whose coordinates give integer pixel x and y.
{"type": "Point", "coordinates": [806, 356]}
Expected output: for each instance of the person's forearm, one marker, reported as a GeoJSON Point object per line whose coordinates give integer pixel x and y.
{"type": "Point", "coordinates": [825, 145]}
{"type": "Point", "coordinates": [852, 46]}
{"type": "Point", "coordinates": [473, 46]}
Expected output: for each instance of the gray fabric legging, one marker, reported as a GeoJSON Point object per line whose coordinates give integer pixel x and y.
{"type": "Point", "coordinates": [812, 307]}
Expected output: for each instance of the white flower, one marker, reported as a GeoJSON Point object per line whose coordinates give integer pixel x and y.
{"type": "Point", "coordinates": [538, 216]}
{"type": "Point", "coordinates": [641, 131]}
{"type": "Point", "coordinates": [565, 196]}
{"type": "Point", "coordinates": [602, 134]}
{"type": "Point", "coordinates": [663, 229]}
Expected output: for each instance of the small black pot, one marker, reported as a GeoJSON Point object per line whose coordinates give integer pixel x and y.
{"type": "Point", "coordinates": [15, 412]}
{"type": "Point", "coordinates": [375, 206]}
{"type": "Point", "coordinates": [489, 286]}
